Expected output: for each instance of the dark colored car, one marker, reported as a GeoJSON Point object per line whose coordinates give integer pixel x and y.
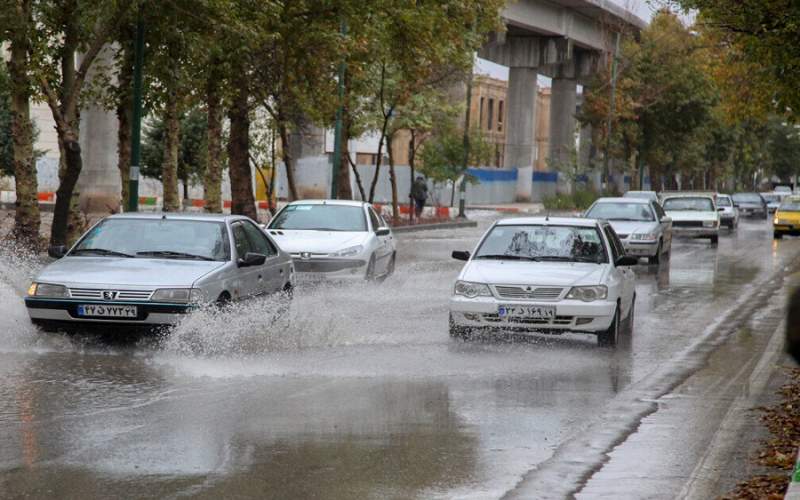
{"type": "Point", "coordinates": [751, 205]}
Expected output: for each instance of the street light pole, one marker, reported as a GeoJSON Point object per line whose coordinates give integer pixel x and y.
{"type": "Point", "coordinates": [462, 191]}
{"type": "Point", "coordinates": [611, 106]}
{"type": "Point", "coordinates": [337, 131]}
{"type": "Point", "coordinates": [136, 124]}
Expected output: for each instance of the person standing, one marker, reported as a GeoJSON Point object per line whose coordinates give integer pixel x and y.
{"type": "Point", "coordinates": [419, 191]}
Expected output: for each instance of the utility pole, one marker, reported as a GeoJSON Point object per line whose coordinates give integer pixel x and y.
{"type": "Point", "coordinates": [337, 131]}
{"type": "Point", "coordinates": [136, 124]}
{"type": "Point", "coordinates": [462, 191]}
{"type": "Point", "coordinates": [611, 107]}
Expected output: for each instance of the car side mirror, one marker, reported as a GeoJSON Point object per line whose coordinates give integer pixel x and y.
{"type": "Point", "coordinates": [57, 251]}
{"type": "Point", "coordinates": [720, 209]}
{"type": "Point", "coordinates": [252, 259]}
{"type": "Point", "coordinates": [460, 255]}
{"type": "Point", "coordinates": [626, 260]}
{"type": "Point", "coordinates": [735, 205]}
{"type": "Point", "coordinates": [666, 219]}
{"type": "Point", "coordinates": [383, 231]}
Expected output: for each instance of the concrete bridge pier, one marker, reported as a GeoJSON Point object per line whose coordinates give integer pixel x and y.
{"type": "Point", "coordinates": [520, 145]}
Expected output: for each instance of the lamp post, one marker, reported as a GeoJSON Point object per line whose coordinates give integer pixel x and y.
{"type": "Point", "coordinates": [136, 123]}
{"type": "Point", "coordinates": [462, 190]}
{"type": "Point", "coordinates": [337, 131]}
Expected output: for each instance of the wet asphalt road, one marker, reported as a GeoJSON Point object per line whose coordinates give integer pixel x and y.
{"type": "Point", "coordinates": [362, 394]}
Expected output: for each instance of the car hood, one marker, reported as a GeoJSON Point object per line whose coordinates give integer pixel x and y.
{"type": "Point", "coordinates": [678, 215]}
{"type": "Point", "coordinates": [630, 227]}
{"type": "Point", "coordinates": [749, 204]}
{"type": "Point", "coordinates": [317, 241]}
{"type": "Point", "coordinates": [792, 216]}
{"type": "Point", "coordinates": [511, 272]}
{"type": "Point", "coordinates": [122, 271]}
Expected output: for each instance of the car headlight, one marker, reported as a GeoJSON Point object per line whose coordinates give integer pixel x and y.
{"type": "Point", "coordinates": [644, 236]}
{"type": "Point", "coordinates": [175, 295]}
{"type": "Point", "coordinates": [709, 223]}
{"type": "Point", "coordinates": [471, 290]}
{"type": "Point", "coordinates": [588, 293]}
{"type": "Point", "coordinates": [349, 251]}
{"type": "Point", "coordinates": [47, 290]}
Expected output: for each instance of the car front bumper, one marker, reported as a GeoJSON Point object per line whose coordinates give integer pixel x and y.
{"type": "Point", "coordinates": [786, 228]}
{"type": "Point", "coordinates": [753, 212]}
{"type": "Point", "coordinates": [66, 310]}
{"type": "Point", "coordinates": [331, 268]}
{"type": "Point", "coordinates": [571, 315]}
{"type": "Point", "coordinates": [640, 248]}
{"type": "Point", "coordinates": [696, 232]}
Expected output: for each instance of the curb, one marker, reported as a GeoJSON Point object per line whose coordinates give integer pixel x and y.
{"type": "Point", "coordinates": [436, 225]}
{"type": "Point", "coordinates": [507, 210]}
{"type": "Point", "coordinates": [793, 491]}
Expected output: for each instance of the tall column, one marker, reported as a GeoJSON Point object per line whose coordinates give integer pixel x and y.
{"type": "Point", "coordinates": [520, 152]}
{"type": "Point", "coordinates": [99, 184]}
{"type": "Point", "coordinates": [562, 120]}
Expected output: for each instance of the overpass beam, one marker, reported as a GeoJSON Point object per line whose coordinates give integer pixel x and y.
{"type": "Point", "coordinates": [520, 150]}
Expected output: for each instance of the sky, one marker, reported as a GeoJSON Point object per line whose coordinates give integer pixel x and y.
{"type": "Point", "coordinates": [643, 8]}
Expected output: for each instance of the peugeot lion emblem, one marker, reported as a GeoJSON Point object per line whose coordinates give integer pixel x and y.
{"type": "Point", "coordinates": [110, 295]}
{"type": "Point", "coordinates": [305, 255]}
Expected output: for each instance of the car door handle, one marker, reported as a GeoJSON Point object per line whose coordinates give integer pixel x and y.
{"type": "Point", "coordinates": [259, 277]}
{"type": "Point", "coordinates": [280, 271]}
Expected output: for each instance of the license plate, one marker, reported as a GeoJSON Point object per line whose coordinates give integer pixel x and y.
{"type": "Point", "coordinates": [107, 311]}
{"type": "Point", "coordinates": [536, 312]}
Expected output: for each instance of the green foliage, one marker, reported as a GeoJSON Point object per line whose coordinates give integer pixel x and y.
{"type": "Point", "coordinates": [577, 200]}
{"type": "Point", "coordinates": [443, 154]}
{"type": "Point", "coordinates": [192, 153]}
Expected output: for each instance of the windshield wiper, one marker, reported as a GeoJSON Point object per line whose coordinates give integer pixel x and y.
{"type": "Point", "coordinates": [173, 255]}
{"type": "Point", "coordinates": [564, 258]}
{"type": "Point", "coordinates": [507, 257]}
{"type": "Point", "coordinates": [101, 251]}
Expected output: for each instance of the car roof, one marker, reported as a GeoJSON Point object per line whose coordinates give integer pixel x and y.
{"type": "Point", "coordinates": [177, 216]}
{"type": "Point", "coordinates": [634, 191]}
{"type": "Point", "coordinates": [641, 201]}
{"type": "Point", "coordinates": [723, 194]}
{"type": "Point", "coordinates": [348, 203]}
{"type": "Point", "coordinates": [548, 221]}
{"type": "Point", "coordinates": [689, 194]}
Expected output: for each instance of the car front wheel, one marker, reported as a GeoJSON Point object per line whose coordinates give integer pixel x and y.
{"type": "Point", "coordinates": [777, 235]}
{"type": "Point", "coordinates": [456, 331]}
{"type": "Point", "coordinates": [610, 337]}
{"type": "Point", "coordinates": [656, 259]}
{"type": "Point", "coordinates": [714, 239]}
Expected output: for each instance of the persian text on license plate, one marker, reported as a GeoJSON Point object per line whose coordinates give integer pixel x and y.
{"type": "Point", "coordinates": [536, 312]}
{"type": "Point", "coordinates": [107, 311]}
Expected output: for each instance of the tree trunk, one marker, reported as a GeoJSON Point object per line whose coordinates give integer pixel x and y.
{"type": "Point", "coordinates": [378, 162]}
{"type": "Point", "coordinates": [124, 119]}
{"type": "Point", "coordinates": [242, 198]}
{"type": "Point", "coordinates": [393, 182]}
{"type": "Point", "coordinates": [412, 159]}
{"type": "Point", "coordinates": [288, 162]}
{"type": "Point", "coordinates": [344, 191]}
{"type": "Point", "coordinates": [359, 184]}
{"type": "Point", "coordinates": [69, 144]}
{"type": "Point", "coordinates": [212, 181]}
{"type": "Point", "coordinates": [27, 219]}
{"type": "Point", "coordinates": [169, 166]}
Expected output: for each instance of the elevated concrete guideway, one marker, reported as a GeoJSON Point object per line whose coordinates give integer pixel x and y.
{"type": "Point", "coordinates": [567, 40]}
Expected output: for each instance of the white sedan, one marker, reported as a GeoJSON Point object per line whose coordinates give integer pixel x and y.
{"type": "Point", "coordinates": [335, 239]}
{"type": "Point", "coordinates": [548, 275]}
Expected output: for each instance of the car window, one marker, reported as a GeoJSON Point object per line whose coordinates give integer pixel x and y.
{"type": "Point", "coordinates": [374, 219]}
{"type": "Point", "coordinates": [320, 217]}
{"type": "Point", "coordinates": [159, 238]}
{"type": "Point", "coordinates": [723, 201]}
{"type": "Point", "coordinates": [698, 204]}
{"type": "Point", "coordinates": [660, 213]}
{"type": "Point", "coordinates": [790, 205]}
{"type": "Point", "coordinates": [543, 242]}
{"type": "Point", "coordinates": [621, 210]}
{"type": "Point", "coordinates": [258, 240]}
{"type": "Point", "coordinates": [617, 250]}
{"type": "Point", "coordinates": [748, 198]}
{"type": "Point", "coordinates": [240, 240]}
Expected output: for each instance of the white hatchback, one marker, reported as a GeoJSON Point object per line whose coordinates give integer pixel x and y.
{"type": "Point", "coordinates": [546, 275]}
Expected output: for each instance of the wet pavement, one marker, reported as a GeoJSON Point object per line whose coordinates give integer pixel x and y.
{"type": "Point", "coordinates": [361, 393]}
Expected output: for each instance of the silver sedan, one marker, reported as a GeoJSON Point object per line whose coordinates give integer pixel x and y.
{"type": "Point", "coordinates": [641, 224]}
{"type": "Point", "coordinates": [139, 269]}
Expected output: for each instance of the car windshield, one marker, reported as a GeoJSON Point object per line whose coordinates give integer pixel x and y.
{"type": "Point", "coordinates": [723, 201]}
{"type": "Point", "coordinates": [543, 243]}
{"type": "Point", "coordinates": [699, 204]}
{"type": "Point", "coordinates": [771, 198]}
{"type": "Point", "coordinates": [790, 205]}
{"type": "Point", "coordinates": [645, 195]}
{"type": "Point", "coordinates": [747, 198]}
{"type": "Point", "coordinates": [156, 238]}
{"type": "Point", "coordinates": [319, 217]}
{"type": "Point", "coordinates": [620, 210]}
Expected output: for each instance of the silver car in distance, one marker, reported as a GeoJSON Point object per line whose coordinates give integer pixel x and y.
{"type": "Point", "coordinates": [335, 239]}
{"type": "Point", "coordinates": [150, 269]}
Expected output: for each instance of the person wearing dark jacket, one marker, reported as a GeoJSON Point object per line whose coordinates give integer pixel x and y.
{"type": "Point", "coordinates": [419, 192]}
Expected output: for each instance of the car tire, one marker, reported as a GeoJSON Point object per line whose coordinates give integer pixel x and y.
{"type": "Point", "coordinates": [45, 325]}
{"type": "Point", "coordinates": [631, 317]}
{"type": "Point", "coordinates": [610, 337]}
{"type": "Point", "coordinates": [656, 259]}
{"type": "Point", "coordinates": [714, 240]}
{"type": "Point", "coordinates": [370, 274]}
{"type": "Point", "coordinates": [777, 235]}
{"type": "Point", "coordinates": [456, 331]}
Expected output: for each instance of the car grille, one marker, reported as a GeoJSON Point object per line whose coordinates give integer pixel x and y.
{"type": "Point", "coordinates": [687, 223]}
{"type": "Point", "coordinates": [557, 321]}
{"type": "Point", "coordinates": [520, 292]}
{"type": "Point", "coordinates": [95, 294]}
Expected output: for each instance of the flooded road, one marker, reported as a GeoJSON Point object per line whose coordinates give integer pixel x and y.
{"type": "Point", "coordinates": [360, 392]}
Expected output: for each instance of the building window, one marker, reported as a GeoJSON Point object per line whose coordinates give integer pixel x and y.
{"type": "Point", "coordinates": [480, 114]}
{"type": "Point", "coordinates": [490, 119]}
{"type": "Point", "coordinates": [500, 116]}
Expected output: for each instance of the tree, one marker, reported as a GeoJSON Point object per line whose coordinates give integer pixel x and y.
{"type": "Point", "coordinates": [16, 26]}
